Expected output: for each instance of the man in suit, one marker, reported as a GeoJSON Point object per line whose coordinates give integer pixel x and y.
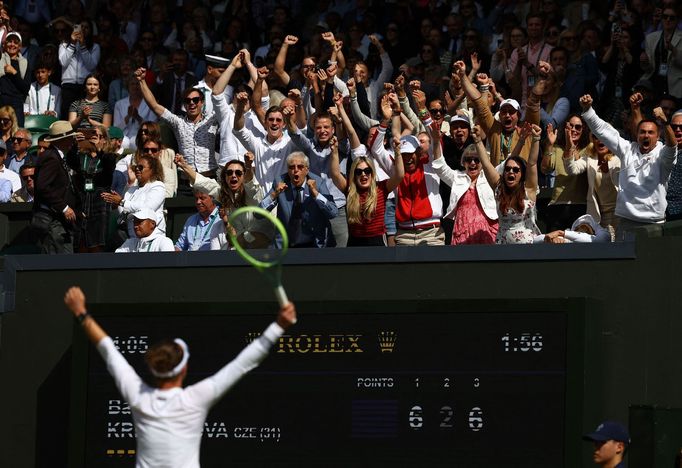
{"type": "Point", "coordinates": [173, 82]}
{"type": "Point", "coordinates": [303, 203]}
{"type": "Point", "coordinates": [661, 60]}
{"type": "Point", "coordinates": [56, 202]}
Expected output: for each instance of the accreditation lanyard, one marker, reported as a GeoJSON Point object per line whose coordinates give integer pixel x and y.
{"type": "Point", "coordinates": [86, 164]}
{"type": "Point", "coordinates": [49, 98]}
{"type": "Point", "coordinates": [205, 233]}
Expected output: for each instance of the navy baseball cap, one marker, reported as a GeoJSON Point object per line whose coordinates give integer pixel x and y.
{"type": "Point", "coordinates": [609, 430]}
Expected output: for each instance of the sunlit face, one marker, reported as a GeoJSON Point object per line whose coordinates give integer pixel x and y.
{"type": "Point", "coordinates": [233, 175]}
{"type": "Point", "coordinates": [410, 161]}
{"type": "Point", "coordinates": [5, 121]}
{"type": "Point", "coordinates": [647, 136]}
{"type": "Point", "coordinates": [575, 127]}
{"type": "Point", "coordinates": [194, 103]}
{"type": "Point", "coordinates": [92, 87]}
{"type": "Point", "coordinates": [361, 73]}
{"type": "Point", "coordinates": [437, 111]}
{"type": "Point", "coordinates": [143, 172]}
{"type": "Point", "coordinates": [28, 178]}
{"type": "Point", "coordinates": [472, 165]}
{"type": "Point", "coordinates": [204, 204]}
{"type": "Point", "coordinates": [363, 176]}
{"type": "Point", "coordinates": [12, 45]}
{"type": "Point", "coordinates": [512, 174]}
{"type": "Point", "coordinates": [297, 170]}
{"type": "Point", "coordinates": [274, 122]}
{"type": "Point", "coordinates": [676, 125]}
{"type": "Point", "coordinates": [324, 130]}
{"type": "Point", "coordinates": [459, 131]}
{"type": "Point", "coordinates": [509, 117]}
{"type": "Point", "coordinates": [424, 142]}
{"type": "Point", "coordinates": [21, 141]}
{"type": "Point", "coordinates": [599, 146]}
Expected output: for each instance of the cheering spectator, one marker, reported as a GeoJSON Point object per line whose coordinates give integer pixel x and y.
{"type": "Point", "coordinates": [645, 166]}
{"type": "Point", "coordinates": [471, 203]}
{"type": "Point", "coordinates": [91, 110]}
{"type": "Point", "coordinates": [130, 112]}
{"type": "Point", "coordinates": [674, 195]}
{"type": "Point", "coordinates": [516, 190]}
{"type": "Point", "coordinates": [303, 204]}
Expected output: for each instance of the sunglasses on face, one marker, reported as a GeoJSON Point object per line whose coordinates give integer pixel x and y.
{"type": "Point", "coordinates": [577, 127]}
{"type": "Point", "coordinates": [139, 167]}
{"type": "Point", "coordinates": [19, 139]}
{"type": "Point", "coordinates": [436, 111]}
{"type": "Point", "coordinates": [514, 169]}
{"type": "Point", "coordinates": [676, 127]}
{"type": "Point", "coordinates": [193, 100]}
{"type": "Point", "coordinates": [299, 167]}
{"type": "Point", "coordinates": [144, 131]}
{"type": "Point", "coordinates": [274, 119]}
{"type": "Point", "coordinates": [150, 150]}
{"type": "Point", "coordinates": [669, 17]}
{"type": "Point", "coordinates": [471, 160]}
{"type": "Point", "coordinates": [28, 177]}
{"type": "Point", "coordinates": [367, 171]}
{"type": "Point", "coordinates": [236, 172]}
{"type": "Point", "coordinates": [5, 121]}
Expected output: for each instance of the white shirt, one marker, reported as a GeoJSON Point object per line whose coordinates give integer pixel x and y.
{"type": "Point", "coordinates": [270, 159]}
{"type": "Point", "coordinates": [153, 196]}
{"type": "Point", "coordinates": [77, 62]}
{"type": "Point", "coordinates": [230, 147]}
{"type": "Point", "coordinates": [43, 98]}
{"type": "Point", "coordinates": [130, 129]}
{"type": "Point", "coordinates": [169, 423]}
{"type": "Point", "coordinates": [196, 141]}
{"type": "Point", "coordinates": [12, 177]}
{"type": "Point", "coordinates": [155, 242]}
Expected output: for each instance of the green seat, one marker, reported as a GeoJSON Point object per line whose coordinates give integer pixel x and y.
{"type": "Point", "coordinates": [38, 122]}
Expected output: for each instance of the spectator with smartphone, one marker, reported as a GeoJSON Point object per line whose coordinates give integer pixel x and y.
{"type": "Point", "coordinates": [79, 56]}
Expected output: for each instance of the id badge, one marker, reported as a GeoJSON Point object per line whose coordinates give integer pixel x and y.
{"type": "Point", "coordinates": [531, 81]}
{"type": "Point", "coordinates": [663, 69]}
{"type": "Point", "coordinates": [89, 185]}
{"type": "Point", "coordinates": [619, 92]}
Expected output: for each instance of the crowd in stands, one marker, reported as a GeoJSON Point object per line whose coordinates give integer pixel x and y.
{"type": "Point", "coordinates": [358, 122]}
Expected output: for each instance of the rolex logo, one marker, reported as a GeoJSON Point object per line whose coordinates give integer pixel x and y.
{"type": "Point", "coordinates": [251, 336]}
{"type": "Point", "coordinates": [387, 341]}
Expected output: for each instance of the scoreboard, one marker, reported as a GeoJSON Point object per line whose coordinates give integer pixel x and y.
{"type": "Point", "coordinates": [434, 386]}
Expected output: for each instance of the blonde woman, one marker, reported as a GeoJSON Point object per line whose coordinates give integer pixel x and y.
{"type": "Point", "coordinates": [366, 196]}
{"type": "Point", "coordinates": [8, 126]}
{"type": "Point", "coordinates": [599, 163]}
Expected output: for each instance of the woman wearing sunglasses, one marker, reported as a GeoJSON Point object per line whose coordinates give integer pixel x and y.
{"type": "Point", "coordinates": [601, 192]}
{"type": "Point", "coordinates": [149, 192]}
{"type": "Point", "coordinates": [150, 131]}
{"type": "Point", "coordinates": [515, 189]}
{"type": "Point", "coordinates": [569, 196]}
{"type": "Point", "coordinates": [365, 194]}
{"type": "Point", "coordinates": [8, 126]}
{"type": "Point", "coordinates": [472, 201]}
{"type": "Point", "coordinates": [93, 172]}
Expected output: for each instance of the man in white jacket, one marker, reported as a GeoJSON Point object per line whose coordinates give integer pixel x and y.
{"type": "Point", "coordinates": [147, 239]}
{"type": "Point", "coordinates": [642, 179]}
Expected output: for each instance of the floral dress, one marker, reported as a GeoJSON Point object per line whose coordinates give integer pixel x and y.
{"type": "Point", "coordinates": [515, 227]}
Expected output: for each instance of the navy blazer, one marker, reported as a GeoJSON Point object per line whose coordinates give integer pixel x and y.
{"type": "Point", "coordinates": [316, 211]}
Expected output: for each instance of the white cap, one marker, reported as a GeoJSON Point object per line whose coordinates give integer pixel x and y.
{"type": "Point", "coordinates": [408, 144]}
{"type": "Point", "coordinates": [145, 213]}
{"type": "Point", "coordinates": [511, 102]}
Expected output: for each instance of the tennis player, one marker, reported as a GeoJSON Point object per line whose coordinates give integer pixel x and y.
{"type": "Point", "coordinates": [168, 418]}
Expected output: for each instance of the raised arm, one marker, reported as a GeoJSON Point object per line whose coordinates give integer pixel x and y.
{"type": "Point", "coordinates": [225, 77]}
{"type": "Point", "coordinates": [398, 167]}
{"type": "Point", "coordinates": [532, 164]}
{"type": "Point", "coordinates": [147, 94]}
{"type": "Point", "coordinates": [347, 124]}
{"type": "Point", "coordinates": [258, 91]}
{"type": "Point", "coordinates": [491, 174]}
{"type": "Point", "coordinates": [281, 59]}
{"type": "Point", "coordinates": [668, 132]}
{"type": "Point", "coordinates": [335, 168]}
{"type": "Point", "coordinates": [363, 121]}
{"type": "Point", "coordinates": [241, 99]}
{"type": "Point", "coordinates": [75, 301]}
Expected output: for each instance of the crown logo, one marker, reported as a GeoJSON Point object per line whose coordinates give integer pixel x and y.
{"type": "Point", "coordinates": [387, 341]}
{"type": "Point", "coordinates": [251, 336]}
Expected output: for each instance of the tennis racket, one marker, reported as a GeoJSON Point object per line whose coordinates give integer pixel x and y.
{"type": "Point", "coordinates": [252, 231]}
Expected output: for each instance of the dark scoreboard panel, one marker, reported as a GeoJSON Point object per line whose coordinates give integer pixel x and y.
{"type": "Point", "coordinates": [351, 389]}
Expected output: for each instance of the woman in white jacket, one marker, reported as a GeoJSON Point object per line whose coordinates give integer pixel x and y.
{"type": "Point", "coordinates": [601, 165]}
{"type": "Point", "coordinates": [472, 201]}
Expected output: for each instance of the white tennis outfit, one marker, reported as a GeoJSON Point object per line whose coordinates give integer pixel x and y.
{"type": "Point", "coordinates": [169, 423]}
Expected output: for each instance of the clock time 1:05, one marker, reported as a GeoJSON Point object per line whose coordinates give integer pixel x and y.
{"type": "Point", "coordinates": [524, 342]}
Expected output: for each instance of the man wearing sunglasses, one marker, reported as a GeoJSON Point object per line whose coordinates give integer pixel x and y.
{"type": "Point", "coordinates": [195, 132]}
{"type": "Point", "coordinates": [25, 193]}
{"type": "Point", "coordinates": [21, 142]}
{"type": "Point", "coordinates": [645, 166]}
{"type": "Point", "coordinates": [5, 172]}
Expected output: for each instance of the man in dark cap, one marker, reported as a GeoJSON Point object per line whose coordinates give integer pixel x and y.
{"type": "Point", "coordinates": [611, 440]}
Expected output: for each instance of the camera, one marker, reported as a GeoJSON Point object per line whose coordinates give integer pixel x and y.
{"type": "Point", "coordinates": [76, 28]}
{"type": "Point", "coordinates": [322, 66]}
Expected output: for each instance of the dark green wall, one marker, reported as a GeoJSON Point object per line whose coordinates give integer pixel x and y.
{"type": "Point", "coordinates": [632, 316]}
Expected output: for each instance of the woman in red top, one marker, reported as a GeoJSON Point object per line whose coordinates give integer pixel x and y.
{"type": "Point", "coordinates": [365, 196]}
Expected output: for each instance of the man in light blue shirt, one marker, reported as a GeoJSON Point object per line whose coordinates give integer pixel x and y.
{"type": "Point", "coordinates": [200, 228]}
{"type": "Point", "coordinates": [5, 190]}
